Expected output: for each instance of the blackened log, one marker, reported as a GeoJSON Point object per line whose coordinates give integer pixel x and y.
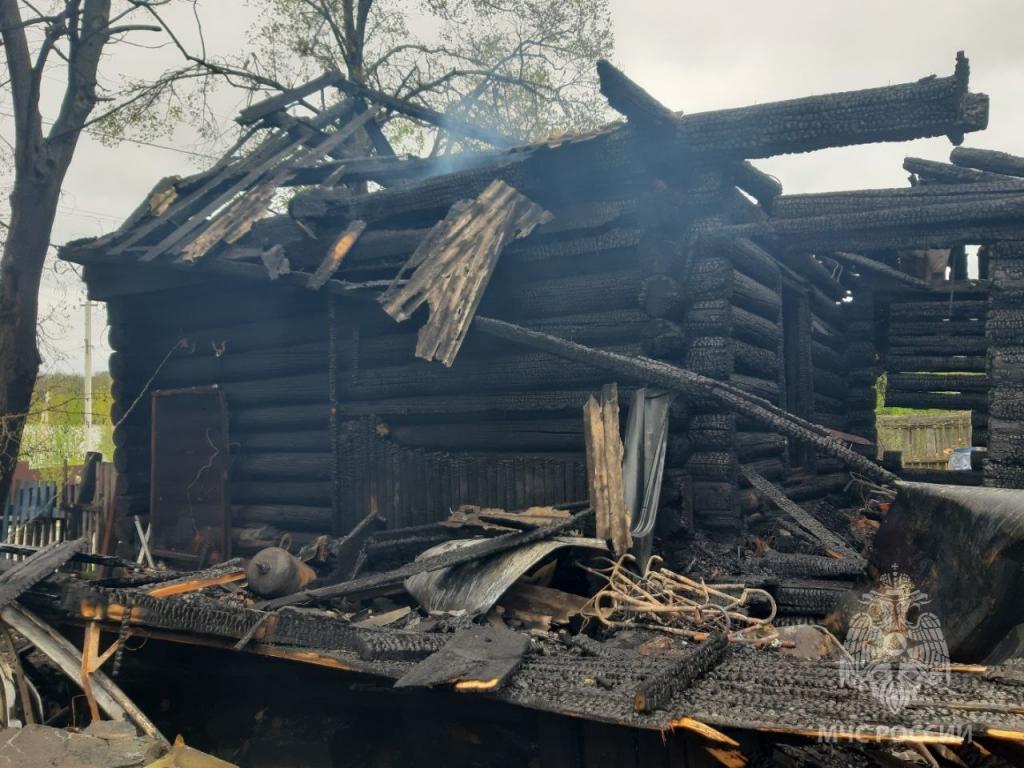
{"type": "Point", "coordinates": [806, 488]}
{"type": "Point", "coordinates": [987, 160]}
{"type": "Point", "coordinates": [574, 295]}
{"type": "Point", "coordinates": [767, 389]}
{"type": "Point", "coordinates": [36, 567]}
{"type": "Point", "coordinates": [808, 597]}
{"type": "Point", "coordinates": [860, 201]}
{"type": "Point", "coordinates": [316, 440]}
{"type": "Point", "coordinates": [540, 436]}
{"type": "Point", "coordinates": [807, 566]}
{"type": "Point", "coordinates": [878, 267]}
{"type": "Point", "coordinates": [261, 109]}
{"type": "Point", "coordinates": [932, 345]}
{"type": "Point", "coordinates": [752, 260]}
{"type": "Point", "coordinates": [283, 466]}
{"type": "Point", "coordinates": [917, 363]}
{"type": "Point", "coordinates": [287, 516]}
{"type": "Point", "coordinates": [929, 107]}
{"type": "Point", "coordinates": [941, 400]}
{"type": "Point", "coordinates": [287, 492]}
{"type": "Point", "coordinates": [755, 445]}
{"type": "Point", "coordinates": [678, 379]}
{"type": "Point", "coordinates": [960, 309]}
{"type": "Point", "coordinates": [927, 225]}
{"type": "Point", "coordinates": [658, 687]}
{"type": "Point", "coordinates": [944, 173]}
{"type": "Point", "coordinates": [648, 114]}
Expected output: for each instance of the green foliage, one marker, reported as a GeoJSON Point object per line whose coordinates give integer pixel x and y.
{"type": "Point", "coordinates": [55, 429]}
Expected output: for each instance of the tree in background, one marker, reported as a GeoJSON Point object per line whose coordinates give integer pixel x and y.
{"type": "Point", "coordinates": [523, 68]}
{"type": "Point", "coordinates": [44, 42]}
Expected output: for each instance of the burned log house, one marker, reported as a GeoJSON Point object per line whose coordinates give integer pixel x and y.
{"type": "Point", "coordinates": [262, 394]}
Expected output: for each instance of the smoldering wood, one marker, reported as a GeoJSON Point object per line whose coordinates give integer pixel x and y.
{"type": "Point", "coordinates": [445, 122]}
{"type": "Point", "coordinates": [261, 109]}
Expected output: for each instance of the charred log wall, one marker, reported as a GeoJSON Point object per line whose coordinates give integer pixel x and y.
{"type": "Point", "coordinates": [410, 439]}
{"type": "Point", "coordinates": [1005, 337]}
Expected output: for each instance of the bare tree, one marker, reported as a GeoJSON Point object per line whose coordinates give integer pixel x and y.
{"type": "Point", "coordinates": [45, 38]}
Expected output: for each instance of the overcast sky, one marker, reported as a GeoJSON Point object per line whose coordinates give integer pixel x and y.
{"type": "Point", "coordinates": [694, 56]}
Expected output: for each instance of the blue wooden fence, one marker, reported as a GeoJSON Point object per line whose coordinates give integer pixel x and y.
{"type": "Point", "coordinates": [29, 512]}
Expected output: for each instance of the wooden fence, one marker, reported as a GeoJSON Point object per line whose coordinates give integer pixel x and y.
{"type": "Point", "coordinates": [39, 512]}
{"type": "Point", "coordinates": [925, 441]}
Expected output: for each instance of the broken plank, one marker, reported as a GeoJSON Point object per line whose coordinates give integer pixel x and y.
{"type": "Point", "coordinates": [604, 469]}
{"type": "Point", "coordinates": [453, 265]}
{"type": "Point", "coordinates": [340, 248]}
{"type": "Point", "coordinates": [261, 109]}
{"type": "Point", "coordinates": [480, 659]}
{"type": "Point", "coordinates": [110, 698]}
{"type": "Point", "coordinates": [195, 585]}
{"type": "Point", "coordinates": [805, 520]}
{"type": "Point", "coordinates": [37, 567]}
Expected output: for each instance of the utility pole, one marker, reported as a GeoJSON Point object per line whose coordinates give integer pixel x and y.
{"type": "Point", "coordinates": [87, 383]}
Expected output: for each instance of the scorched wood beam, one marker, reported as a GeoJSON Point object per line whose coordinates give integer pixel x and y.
{"type": "Point", "coordinates": [932, 172]}
{"type": "Point", "coordinates": [651, 116]}
{"type": "Point", "coordinates": [681, 380]}
{"type": "Point", "coordinates": [911, 226]}
{"type": "Point", "coordinates": [929, 107]}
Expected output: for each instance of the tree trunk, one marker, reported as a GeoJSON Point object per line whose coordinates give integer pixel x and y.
{"type": "Point", "coordinates": [33, 207]}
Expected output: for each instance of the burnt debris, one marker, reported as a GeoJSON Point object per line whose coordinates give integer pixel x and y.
{"type": "Point", "coordinates": [586, 425]}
